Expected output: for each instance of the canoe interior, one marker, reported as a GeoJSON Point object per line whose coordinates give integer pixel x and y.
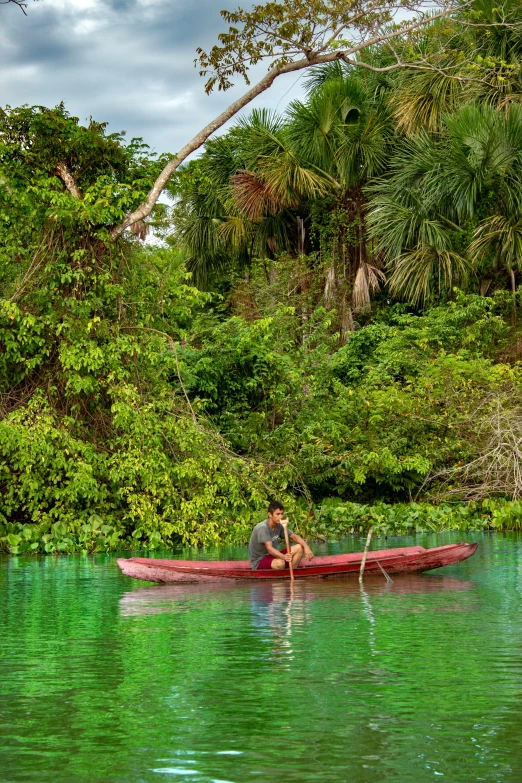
{"type": "Point", "coordinates": [393, 561]}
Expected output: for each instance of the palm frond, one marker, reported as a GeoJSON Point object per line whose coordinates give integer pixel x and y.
{"type": "Point", "coordinates": [368, 281]}
{"type": "Point", "coordinates": [320, 74]}
{"type": "Point", "coordinates": [253, 197]}
{"type": "Point", "coordinates": [288, 181]}
{"type": "Point", "coordinates": [423, 98]}
{"type": "Point", "coordinates": [363, 151]}
{"type": "Point", "coordinates": [261, 119]}
{"type": "Point", "coordinates": [317, 128]}
{"type": "Point", "coordinates": [481, 152]}
{"type": "Point", "coordinates": [501, 236]}
{"type": "Point", "coordinates": [419, 273]}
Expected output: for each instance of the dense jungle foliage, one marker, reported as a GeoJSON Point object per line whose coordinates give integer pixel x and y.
{"type": "Point", "coordinates": [328, 313]}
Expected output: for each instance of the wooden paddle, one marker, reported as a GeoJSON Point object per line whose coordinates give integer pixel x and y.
{"type": "Point", "coordinates": [365, 553]}
{"type": "Point", "coordinates": [287, 542]}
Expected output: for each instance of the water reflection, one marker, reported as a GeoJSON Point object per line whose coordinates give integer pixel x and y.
{"type": "Point", "coordinates": [167, 599]}
{"type": "Point", "coordinates": [369, 614]}
{"type": "Point", "coordinates": [277, 607]}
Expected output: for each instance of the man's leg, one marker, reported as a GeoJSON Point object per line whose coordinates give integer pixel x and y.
{"type": "Point", "coordinates": [297, 555]}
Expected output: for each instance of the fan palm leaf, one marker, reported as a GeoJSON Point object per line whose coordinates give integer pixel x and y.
{"type": "Point", "coordinates": [234, 233]}
{"type": "Point", "coordinates": [501, 236]}
{"type": "Point", "coordinates": [368, 281]}
{"type": "Point", "coordinates": [317, 129]}
{"type": "Point", "coordinates": [425, 97]}
{"type": "Point", "coordinates": [362, 152]}
{"type": "Point", "coordinates": [253, 197]}
{"type": "Point", "coordinates": [288, 181]}
{"type": "Point", "coordinates": [418, 273]}
{"type": "Point", "coordinates": [317, 77]}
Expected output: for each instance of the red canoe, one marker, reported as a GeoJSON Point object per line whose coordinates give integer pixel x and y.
{"type": "Point", "coordinates": [392, 561]}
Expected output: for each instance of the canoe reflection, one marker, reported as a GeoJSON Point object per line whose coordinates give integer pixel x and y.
{"type": "Point", "coordinates": [166, 599]}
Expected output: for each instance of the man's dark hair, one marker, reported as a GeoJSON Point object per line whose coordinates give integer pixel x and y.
{"type": "Point", "coordinates": [274, 506]}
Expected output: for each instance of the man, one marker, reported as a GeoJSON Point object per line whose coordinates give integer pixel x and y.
{"type": "Point", "coordinates": [262, 549]}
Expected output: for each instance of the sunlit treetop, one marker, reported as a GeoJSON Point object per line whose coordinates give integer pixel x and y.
{"type": "Point", "coordinates": [314, 30]}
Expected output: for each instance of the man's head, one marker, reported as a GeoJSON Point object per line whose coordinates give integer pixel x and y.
{"type": "Point", "coordinates": [276, 511]}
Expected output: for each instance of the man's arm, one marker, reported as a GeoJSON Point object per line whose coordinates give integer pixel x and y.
{"type": "Point", "coordinates": [276, 553]}
{"type": "Point", "coordinates": [298, 540]}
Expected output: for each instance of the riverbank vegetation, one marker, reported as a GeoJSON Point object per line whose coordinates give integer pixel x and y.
{"type": "Point", "coordinates": [328, 313]}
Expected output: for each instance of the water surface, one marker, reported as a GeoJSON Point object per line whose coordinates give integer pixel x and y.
{"type": "Point", "coordinates": [104, 679]}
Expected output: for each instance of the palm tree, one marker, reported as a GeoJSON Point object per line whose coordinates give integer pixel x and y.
{"type": "Point", "coordinates": [242, 198]}
{"type": "Point", "coordinates": [478, 61]}
{"type": "Point", "coordinates": [411, 224]}
{"type": "Point", "coordinates": [343, 132]}
{"type": "Point", "coordinates": [499, 235]}
{"type": "Point", "coordinates": [215, 229]}
{"type": "Point", "coordinates": [436, 192]}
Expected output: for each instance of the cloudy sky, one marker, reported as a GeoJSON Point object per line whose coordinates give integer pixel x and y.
{"type": "Point", "coordinates": [129, 62]}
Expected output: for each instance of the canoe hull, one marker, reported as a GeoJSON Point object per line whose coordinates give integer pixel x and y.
{"type": "Point", "coordinates": [393, 561]}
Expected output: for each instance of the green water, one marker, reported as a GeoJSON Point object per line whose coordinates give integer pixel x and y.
{"type": "Point", "coordinates": [104, 679]}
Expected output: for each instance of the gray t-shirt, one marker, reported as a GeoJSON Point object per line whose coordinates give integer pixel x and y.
{"type": "Point", "coordinates": [260, 535]}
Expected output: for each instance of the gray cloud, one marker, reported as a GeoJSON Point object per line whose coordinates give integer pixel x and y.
{"type": "Point", "coordinates": [129, 62]}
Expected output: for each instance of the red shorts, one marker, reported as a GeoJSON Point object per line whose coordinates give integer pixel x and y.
{"type": "Point", "coordinates": [266, 561]}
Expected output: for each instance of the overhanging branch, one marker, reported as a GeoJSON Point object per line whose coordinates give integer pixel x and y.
{"type": "Point", "coordinates": [320, 57]}
{"type": "Point", "coordinates": [21, 5]}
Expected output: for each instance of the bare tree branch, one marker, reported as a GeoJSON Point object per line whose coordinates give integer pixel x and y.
{"type": "Point", "coordinates": [20, 3]}
{"type": "Point", "coordinates": [496, 434]}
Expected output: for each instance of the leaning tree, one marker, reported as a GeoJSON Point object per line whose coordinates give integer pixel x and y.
{"type": "Point", "coordinates": [295, 35]}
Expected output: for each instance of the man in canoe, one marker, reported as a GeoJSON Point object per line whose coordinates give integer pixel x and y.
{"type": "Point", "coordinates": [262, 549]}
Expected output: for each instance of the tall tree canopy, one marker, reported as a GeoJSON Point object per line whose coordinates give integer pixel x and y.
{"type": "Point", "coordinates": [296, 35]}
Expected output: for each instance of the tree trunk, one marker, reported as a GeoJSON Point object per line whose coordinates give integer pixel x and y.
{"type": "Point", "coordinates": [300, 236]}
{"type": "Point", "coordinates": [330, 286]}
{"type": "Point", "coordinates": [346, 317]}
